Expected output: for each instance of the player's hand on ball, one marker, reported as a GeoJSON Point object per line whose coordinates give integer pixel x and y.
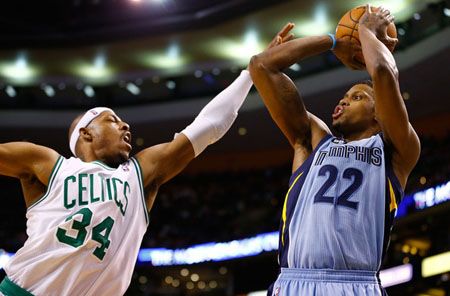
{"type": "Point", "coordinates": [378, 22]}
{"type": "Point", "coordinates": [347, 51]}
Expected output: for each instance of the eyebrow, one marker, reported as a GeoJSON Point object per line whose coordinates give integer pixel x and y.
{"type": "Point", "coordinates": [361, 92]}
{"type": "Point", "coordinates": [113, 116]}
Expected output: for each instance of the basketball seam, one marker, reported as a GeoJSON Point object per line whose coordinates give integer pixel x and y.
{"type": "Point", "coordinates": [345, 26]}
{"type": "Point", "coordinates": [353, 29]}
{"type": "Point", "coordinates": [356, 22]}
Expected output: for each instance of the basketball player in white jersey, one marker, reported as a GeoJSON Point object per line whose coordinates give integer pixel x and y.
{"type": "Point", "coordinates": [87, 214]}
{"type": "Point", "coordinates": [344, 189]}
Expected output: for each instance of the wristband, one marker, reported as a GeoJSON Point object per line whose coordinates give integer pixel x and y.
{"type": "Point", "coordinates": [333, 39]}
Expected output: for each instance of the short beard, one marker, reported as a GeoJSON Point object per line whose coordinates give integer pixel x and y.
{"type": "Point", "coordinates": [117, 161]}
{"type": "Point", "coordinates": [337, 130]}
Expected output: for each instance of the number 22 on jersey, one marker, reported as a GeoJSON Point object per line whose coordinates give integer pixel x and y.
{"type": "Point", "coordinates": [343, 199]}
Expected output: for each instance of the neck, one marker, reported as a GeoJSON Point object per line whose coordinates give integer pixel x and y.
{"type": "Point", "coordinates": [87, 154]}
{"type": "Point", "coordinates": [89, 158]}
{"type": "Point", "coordinates": [361, 135]}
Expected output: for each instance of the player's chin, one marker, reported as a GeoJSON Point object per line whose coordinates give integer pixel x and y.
{"type": "Point", "coordinates": [337, 125]}
{"type": "Point", "coordinates": [124, 154]}
{"type": "Point", "coordinates": [126, 147]}
{"type": "Point", "coordinates": [122, 157]}
{"type": "Point", "coordinates": [336, 121]}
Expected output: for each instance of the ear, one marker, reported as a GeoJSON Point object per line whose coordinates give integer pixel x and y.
{"type": "Point", "coordinates": [85, 134]}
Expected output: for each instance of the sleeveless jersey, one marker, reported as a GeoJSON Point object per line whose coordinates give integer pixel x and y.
{"type": "Point", "coordinates": [340, 206]}
{"type": "Point", "coordinates": [84, 234]}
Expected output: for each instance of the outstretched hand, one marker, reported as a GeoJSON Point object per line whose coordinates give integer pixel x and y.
{"type": "Point", "coordinates": [378, 22]}
{"type": "Point", "coordinates": [282, 36]}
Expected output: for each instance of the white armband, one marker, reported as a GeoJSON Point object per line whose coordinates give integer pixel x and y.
{"type": "Point", "coordinates": [218, 115]}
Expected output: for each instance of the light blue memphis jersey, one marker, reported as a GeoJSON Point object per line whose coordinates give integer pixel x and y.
{"type": "Point", "coordinates": [340, 206]}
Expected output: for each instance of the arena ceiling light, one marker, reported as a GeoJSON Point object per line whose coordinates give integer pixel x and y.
{"type": "Point", "coordinates": [239, 50]}
{"type": "Point", "coordinates": [133, 88]}
{"type": "Point", "coordinates": [89, 91]}
{"type": "Point", "coordinates": [170, 59]}
{"type": "Point", "coordinates": [320, 24]}
{"type": "Point", "coordinates": [446, 11]}
{"type": "Point", "coordinates": [48, 90]}
{"type": "Point", "coordinates": [19, 71]}
{"type": "Point", "coordinates": [97, 71]}
{"type": "Point", "coordinates": [10, 91]}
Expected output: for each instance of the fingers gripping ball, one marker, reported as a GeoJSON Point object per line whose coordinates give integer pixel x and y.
{"type": "Point", "coordinates": [347, 28]}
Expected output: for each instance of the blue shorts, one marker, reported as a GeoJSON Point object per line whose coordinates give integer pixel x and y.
{"type": "Point", "coordinates": [325, 282]}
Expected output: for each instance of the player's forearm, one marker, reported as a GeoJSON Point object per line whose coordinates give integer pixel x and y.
{"type": "Point", "coordinates": [286, 54]}
{"type": "Point", "coordinates": [219, 114]}
{"type": "Point", "coordinates": [377, 56]}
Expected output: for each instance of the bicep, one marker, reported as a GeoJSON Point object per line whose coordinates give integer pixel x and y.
{"type": "Point", "coordinates": [22, 159]}
{"type": "Point", "coordinates": [162, 162]}
{"type": "Point", "coordinates": [282, 99]}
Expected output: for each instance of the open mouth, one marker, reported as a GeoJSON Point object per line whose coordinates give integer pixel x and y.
{"type": "Point", "coordinates": [337, 111]}
{"type": "Point", "coordinates": [127, 137]}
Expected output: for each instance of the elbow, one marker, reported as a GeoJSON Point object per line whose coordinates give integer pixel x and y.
{"type": "Point", "coordinates": [258, 64]}
{"type": "Point", "coordinates": [384, 69]}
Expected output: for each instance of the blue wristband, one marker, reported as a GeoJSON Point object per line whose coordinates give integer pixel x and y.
{"type": "Point", "coordinates": [333, 39]}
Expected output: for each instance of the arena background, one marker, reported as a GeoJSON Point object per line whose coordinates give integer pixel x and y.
{"type": "Point", "coordinates": [157, 62]}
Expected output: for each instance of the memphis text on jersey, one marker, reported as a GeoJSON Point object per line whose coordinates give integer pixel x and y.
{"type": "Point", "coordinates": [370, 155]}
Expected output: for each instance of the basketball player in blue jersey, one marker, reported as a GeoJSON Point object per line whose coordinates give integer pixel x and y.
{"type": "Point", "coordinates": [87, 214]}
{"type": "Point", "coordinates": [344, 188]}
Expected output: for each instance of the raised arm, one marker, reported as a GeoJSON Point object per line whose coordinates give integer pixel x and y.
{"type": "Point", "coordinates": [302, 129]}
{"type": "Point", "coordinates": [390, 109]}
{"type": "Point", "coordinates": [162, 162]}
{"type": "Point", "coordinates": [26, 160]}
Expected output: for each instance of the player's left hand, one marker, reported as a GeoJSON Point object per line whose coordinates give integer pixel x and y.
{"type": "Point", "coordinates": [378, 22]}
{"type": "Point", "coordinates": [343, 47]}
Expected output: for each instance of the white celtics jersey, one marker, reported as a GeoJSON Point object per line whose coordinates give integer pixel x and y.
{"type": "Point", "coordinates": [84, 234]}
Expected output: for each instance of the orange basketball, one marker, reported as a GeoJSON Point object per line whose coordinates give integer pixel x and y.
{"type": "Point", "coordinates": [347, 28]}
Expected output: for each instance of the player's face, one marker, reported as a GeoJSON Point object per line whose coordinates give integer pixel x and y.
{"type": "Point", "coordinates": [111, 138]}
{"type": "Point", "coordinates": [355, 111]}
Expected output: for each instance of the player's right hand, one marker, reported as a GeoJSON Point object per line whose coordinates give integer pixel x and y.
{"type": "Point", "coordinates": [378, 22]}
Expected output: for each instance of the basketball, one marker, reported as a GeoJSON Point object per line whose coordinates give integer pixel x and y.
{"type": "Point", "coordinates": [347, 28]}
